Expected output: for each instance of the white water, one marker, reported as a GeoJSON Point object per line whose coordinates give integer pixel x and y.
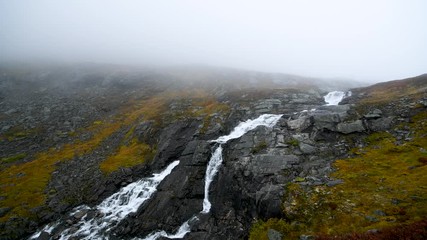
{"type": "Point", "coordinates": [182, 231]}
{"type": "Point", "coordinates": [335, 97]}
{"type": "Point", "coordinates": [268, 120]}
{"type": "Point", "coordinates": [113, 209]}
{"type": "Point", "coordinates": [211, 171]}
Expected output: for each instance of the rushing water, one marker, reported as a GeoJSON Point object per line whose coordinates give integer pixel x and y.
{"type": "Point", "coordinates": [268, 120]}
{"type": "Point", "coordinates": [113, 209]}
{"type": "Point", "coordinates": [335, 97]}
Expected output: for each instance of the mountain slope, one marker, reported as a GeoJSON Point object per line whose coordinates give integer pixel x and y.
{"type": "Point", "coordinates": [78, 140]}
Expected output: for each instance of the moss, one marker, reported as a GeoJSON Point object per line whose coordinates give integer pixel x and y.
{"type": "Point", "coordinates": [18, 132]}
{"type": "Point", "coordinates": [259, 229]}
{"type": "Point", "coordinates": [13, 158]}
{"type": "Point", "coordinates": [259, 147]}
{"type": "Point", "coordinates": [128, 156]}
{"type": "Point", "coordinates": [293, 142]}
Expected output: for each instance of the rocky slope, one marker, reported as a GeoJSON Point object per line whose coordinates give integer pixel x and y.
{"type": "Point", "coordinates": [78, 142]}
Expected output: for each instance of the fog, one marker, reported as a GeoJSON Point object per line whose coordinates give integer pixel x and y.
{"type": "Point", "coordinates": [361, 39]}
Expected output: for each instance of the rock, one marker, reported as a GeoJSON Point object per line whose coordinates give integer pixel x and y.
{"type": "Point", "coordinates": [5, 128]}
{"type": "Point", "coordinates": [43, 236]}
{"type": "Point", "coordinates": [395, 201]}
{"type": "Point", "coordinates": [4, 211]}
{"type": "Point", "coordinates": [334, 182]}
{"type": "Point", "coordinates": [271, 164]}
{"type": "Point", "coordinates": [80, 214]}
{"type": "Point", "coordinates": [373, 231]}
{"type": "Point", "coordinates": [371, 218]}
{"type": "Point", "coordinates": [274, 235]}
{"type": "Point", "coordinates": [380, 213]}
{"type": "Point", "coordinates": [306, 148]}
{"type": "Point", "coordinates": [269, 200]}
{"type": "Point", "coordinates": [300, 124]}
{"type": "Point", "coordinates": [374, 114]}
{"type": "Point", "coordinates": [326, 120]}
{"type": "Point", "coordinates": [306, 237]}
{"type": "Point", "coordinates": [350, 127]}
{"type": "Point", "coordinates": [380, 124]}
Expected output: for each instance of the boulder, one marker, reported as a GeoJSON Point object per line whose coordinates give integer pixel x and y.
{"type": "Point", "coordinates": [374, 114]}
{"type": "Point", "coordinates": [272, 164]}
{"type": "Point", "coordinates": [350, 127]}
{"type": "Point", "coordinates": [300, 124]}
{"type": "Point", "coordinates": [380, 124]}
{"type": "Point", "coordinates": [269, 200]}
{"type": "Point", "coordinates": [326, 120]}
{"type": "Point", "coordinates": [273, 234]}
{"type": "Point", "coordinates": [307, 148]}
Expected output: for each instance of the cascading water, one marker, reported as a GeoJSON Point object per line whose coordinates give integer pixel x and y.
{"type": "Point", "coordinates": [113, 209]}
{"type": "Point", "coordinates": [335, 97]}
{"type": "Point", "coordinates": [268, 120]}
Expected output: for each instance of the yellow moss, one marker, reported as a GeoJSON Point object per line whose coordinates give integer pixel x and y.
{"type": "Point", "coordinates": [127, 156]}
{"type": "Point", "coordinates": [23, 185]}
{"type": "Point", "coordinates": [386, 177]}
{"type": "Point", "coordinates": [259, 229]}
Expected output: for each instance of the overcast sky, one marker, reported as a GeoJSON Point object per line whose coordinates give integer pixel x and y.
{"type": "Point", "coordinates": [362, 39]}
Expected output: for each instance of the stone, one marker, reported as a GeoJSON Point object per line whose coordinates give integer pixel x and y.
{"type": "Point", "coordinates": [307, 149]}
{"type": "Point", "coordinates": [379, 213]}
{"type": "Point", "coordinates": [326, 120]}
{"type": "Point", "coordinates": [380, 124]}
{"type": "Point", "coordinates": [80, 214]}
{"type": "Point", "coordinates": [374, 114]}
{"type": "Point", "coordinates": [306, 237]}
{"type": "Point", "coordinates": [371, 218]}
{"type": "Point", "coordinates": [4, 211]}
{"type": "Point", "coordinates": [44, 236]}
{"type": "Point", "coordinates": [300, 124]}
{"type": "Point", "coordinates": [274, 235]}
{"type": "Point", "coordinates": [334, 182]}
{"type": "Point", "coordinates": [269, 200]}
{"type": "Point", "coordinates": [350, 127]}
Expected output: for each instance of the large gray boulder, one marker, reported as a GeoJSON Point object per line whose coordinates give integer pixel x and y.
{"type": "Point", "coordinates": [350, 127]}
{"type": "Point", "coordinates": [300, 124]}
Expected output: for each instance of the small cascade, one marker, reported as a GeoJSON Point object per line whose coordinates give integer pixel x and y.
{"type": "Point", "coordinates": [268, 120]}
{"type": "Point", "coordinates": [335, 97]}
{"type": "Point", "coordinates": [112, 210]}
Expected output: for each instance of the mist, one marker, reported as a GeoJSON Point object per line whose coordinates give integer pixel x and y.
{"type": "Point", "coordinates": [364, 40]}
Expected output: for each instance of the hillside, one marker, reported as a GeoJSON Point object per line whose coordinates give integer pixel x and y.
{"type": "Point", "coordinates": [74, 139]}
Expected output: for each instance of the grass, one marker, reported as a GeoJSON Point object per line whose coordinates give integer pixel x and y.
{"type": "Point", "coordinates": [18, 132]}
{"type": "Point", "coordinates": [416, 231]}
{"type": "Point", "coordinates": [128, 156]}
{"type": "Point", "coordinates": [259, 147]}
{"type": "Point", "coordinates": [293, 142]}
{"type": "Point", "coordinates": [388, 91]}
{"type": "Point", "coordinates": [384, 187]}
{"type": "Point", "coordinates": [13, 158]}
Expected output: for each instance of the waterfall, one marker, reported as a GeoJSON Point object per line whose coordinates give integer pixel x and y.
{"type": "Point", "coordinates": [113, 209]}
{"type": "Point", "coordinates": [335, 97]}
{"type": "Point", "coordinates": [268, 120]}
